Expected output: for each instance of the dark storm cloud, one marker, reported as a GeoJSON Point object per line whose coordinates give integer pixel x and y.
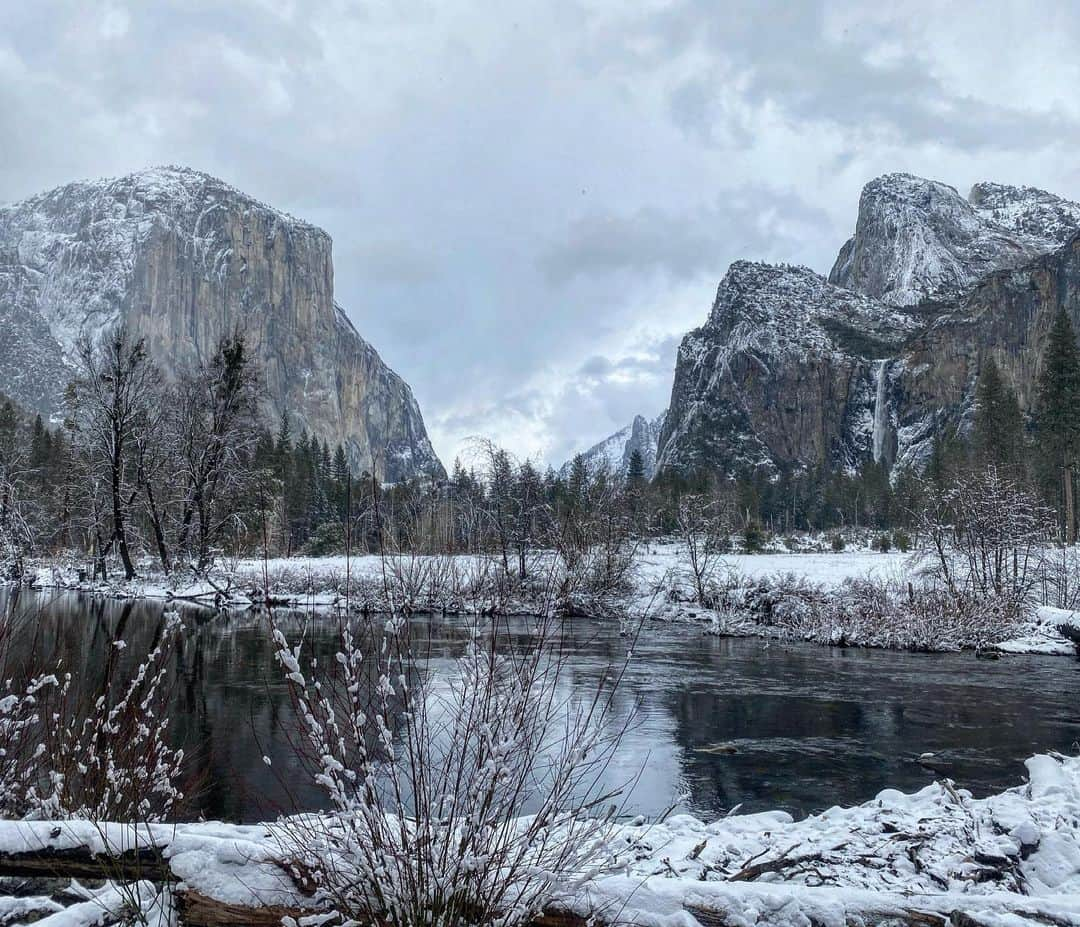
{"type": "Point", "coordinates": [532, 202]}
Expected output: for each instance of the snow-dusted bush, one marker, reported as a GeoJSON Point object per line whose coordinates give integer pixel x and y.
{"type": "Point", "coordinates": [21, 748]}
{"type": "Point", "coordinates": [468, 796]}
{"type": "Point", "coordinates": [66, 752]}
{"type": "Point", "coordinates": [108, 758]}
{"type": "Point", "coordinates": [987, 536]}
{"type": "Point", "coordinates": [863, 612]}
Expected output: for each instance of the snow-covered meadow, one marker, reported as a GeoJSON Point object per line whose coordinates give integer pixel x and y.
{"type": "Point", "coordinates": [829, 597]}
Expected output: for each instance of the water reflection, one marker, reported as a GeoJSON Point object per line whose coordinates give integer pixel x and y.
{"type": "Point", "coordinates": [718, 722]}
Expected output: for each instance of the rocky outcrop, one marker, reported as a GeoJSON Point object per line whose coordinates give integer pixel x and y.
{"type": "Point", "coordinates": [183, 258]}
{"type": "Point", "coordinates": [785, 372]}
{"type": "Point", "coordinates": [1008, 316]}
{"type": "Point", "coordinates": [918, 240]}
{"type": "Point", "coordinates": [615, 451]}
{"type": "Point", "coordinates": [793, 371]}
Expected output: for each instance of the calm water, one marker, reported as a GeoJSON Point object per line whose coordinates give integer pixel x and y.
{"type": "Point", "coordinates": [811, 726]}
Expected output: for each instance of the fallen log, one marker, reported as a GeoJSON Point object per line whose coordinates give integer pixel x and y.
{"type": "Point", "coordinates": [227, 876]}
{"type": "Point", "coordinates": [82, 863]}
{"type": "Point", "coordinates": [197, 910]}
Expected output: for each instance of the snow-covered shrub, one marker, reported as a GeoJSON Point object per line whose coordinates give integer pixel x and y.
{"type": "Point", "coordinates": [104, 756]}
{"type": "Point", "coordinates": [22, 751]}
{"type": "Point", "coordinates": [864, 612]}
{"type": "Point", "coordinates": [754, 538]}
{"type": "Point", "coordinates": [987, 536]}
{"type": "Point", "coordinates": [467, 796]}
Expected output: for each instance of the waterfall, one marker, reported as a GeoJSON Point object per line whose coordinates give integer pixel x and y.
{"type": "Point", "coordinates": [881, 409]}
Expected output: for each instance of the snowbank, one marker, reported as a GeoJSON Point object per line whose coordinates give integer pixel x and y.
{"type": "Point", "coordinates": [1008, 859]}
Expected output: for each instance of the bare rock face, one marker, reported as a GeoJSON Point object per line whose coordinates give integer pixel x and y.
{"type": "Point", "coordinates": [793, 371]}
{"type": "Point", "coordinates": [184, 259]}
{"type": "Point", "coordinates": [1007, 316]}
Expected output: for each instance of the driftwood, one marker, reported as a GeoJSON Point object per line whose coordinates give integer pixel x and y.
{"type": "Point", "coordinates": [198, 910]}
{"type": "Point", "coordinates": [81, 863]}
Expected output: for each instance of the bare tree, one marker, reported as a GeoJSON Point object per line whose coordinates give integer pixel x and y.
{"type": "Point", "coordinates": [704, 523]}
{"type": "Point", "coordinates": [215, 427]}
{"type": "Point", "coordinates": [16, 535]}
{"type": "Point", "coordinates": [113, 396]}
{"type": "Point", "coordinates": [986, 535]}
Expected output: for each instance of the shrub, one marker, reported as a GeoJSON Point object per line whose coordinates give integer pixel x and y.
{"type": "Point", "coordinates": [882, 543]}
{"type": "Point", "coordinates": [464, 797]}
{"type": "Point", "coordinates": [901, 540]}
{"type": "Point", "coordinates": [837, 542]}
{"type": "Point", "coordinates": [753, 538]}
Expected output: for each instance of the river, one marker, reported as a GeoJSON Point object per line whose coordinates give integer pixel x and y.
{"type": "Point", "coordinates": [715, 722]}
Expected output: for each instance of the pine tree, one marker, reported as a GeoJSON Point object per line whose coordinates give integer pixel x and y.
{"type": "Point", "coordinates": [998, 433]}
{"type": "Point", "coordinates": [38, 451]}
{"type": "Point", "coordinates": [635, 469]}
{"type": "Point", "coordinates": [9, 423]}
{"type": "Point", "coordinates": [341, 477]}
{"type": "Point", "coordinates": [284, 437]}
{"type": "Point", "coordinates": [1058, 417]}
{"type": "Point", "coordinates": [578, 483]}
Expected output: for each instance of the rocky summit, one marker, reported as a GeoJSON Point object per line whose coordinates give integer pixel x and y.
{"type": "Point", "coordinates": [792, 370]}
{"type": "Point", "coordinates": [183, 259]}
{"type": "Point", "coordinates": [614, 452]}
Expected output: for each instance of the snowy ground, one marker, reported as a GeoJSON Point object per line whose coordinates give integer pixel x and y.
{"type": "Point", "coordinates": [831, 569]}
{"type": "Point", "coordinates": [1009, 859]}
{"type": "Point", "coordinates": [660, 589]}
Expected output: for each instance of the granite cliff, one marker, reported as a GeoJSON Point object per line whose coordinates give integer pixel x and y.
{"type": "Point", "coordinates": [183, 258]}
{"type": "Point", "coordinates": [792, 370]}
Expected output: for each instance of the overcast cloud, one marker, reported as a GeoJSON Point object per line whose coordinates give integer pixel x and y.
{"type": "Point", "coordinates": [531, 202]}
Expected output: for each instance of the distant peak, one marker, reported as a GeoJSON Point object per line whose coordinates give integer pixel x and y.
{"type": "Point", "coordinates": [905, 187]}
{"type": "Point", "coordinates": [917, 239]}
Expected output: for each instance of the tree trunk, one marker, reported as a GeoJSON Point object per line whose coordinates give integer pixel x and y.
{"type": "Point", "coordinates": [1070, 511]}
{"type": "Point", "coordinates": [159, 532]}
{"type": "Point", "coordinates": [119, 531]}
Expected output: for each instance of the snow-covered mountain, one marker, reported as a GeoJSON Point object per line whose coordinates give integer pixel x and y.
{"type": "Point", "coordinates": [614, 452]}
{"type": "Point", "coordinates": [918, 239]}
{"type": "Point", "coordinates": [184, 258]}
{"type": "Point", "coordinates": [783, 370]}
{"type": "Point", "coordinates": [792, 370]}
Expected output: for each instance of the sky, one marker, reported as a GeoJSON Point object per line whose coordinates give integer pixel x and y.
{"type": "Point", "coordinates": [532, 202]}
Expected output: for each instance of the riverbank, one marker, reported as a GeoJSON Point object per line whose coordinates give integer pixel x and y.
{"type": "Point", "coordinates": [921, 858]}
{"type": "Point", "coordinates": [848, 598]}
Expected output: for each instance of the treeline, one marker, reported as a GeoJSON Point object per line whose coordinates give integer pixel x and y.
{"type": "Point", "coordinates": [187, 471]}
{"type": "Point", "coordinates": [182, 471]}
